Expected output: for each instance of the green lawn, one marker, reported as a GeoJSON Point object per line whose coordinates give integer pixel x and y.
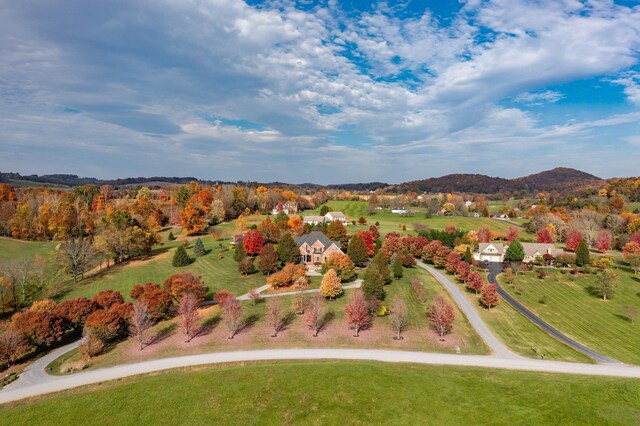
{"type": "Point", "coordinates": [393, 222]}
{"type": "Point", "coordinates": [586, 318]}
{"type": "Point", "coordinates": [338, 392]}
{"type": "Point", "coordinates": [15, 249]}
{"type": "Point", "coordinates": [418, 337]}
{"type": "Point", "coordinates": [524, 337]}
{"type": "Point", "coordinates": [217, 268]}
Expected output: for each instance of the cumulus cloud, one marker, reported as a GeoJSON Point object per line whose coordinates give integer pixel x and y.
{"type": "Point", "coordinates": [106, 80]}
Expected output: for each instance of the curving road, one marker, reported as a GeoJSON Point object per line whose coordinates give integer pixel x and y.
{"type": "Point", "coordinates": [494, 269]}
{"type": "Point", "coordinates": [471, 313]}
{"type": "Point", "coordinates": [60, 383]}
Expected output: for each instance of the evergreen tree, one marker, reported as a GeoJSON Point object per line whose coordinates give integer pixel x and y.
{"type": "Point", "coordinates": [324, 210]}
{"type": "Point", "coordinates": [468, 257]}
{"type": "Point", "coordinates": [397, 268]}
{"type": "Point", "coordinates": [373, 285]}
{"type": "Point", "coordinates": [336, 231]}
{"type": "Point", "coordinates": [171, 237]}
{"type": "Point", "coordinates": [515, 252]}
{"type": "Point", "coordinates": [181, 258]}
{"type": "Point", "coordinates": [198, 248]}
{"type": "Point", "coordinates": [357, 250]}
{"type": "Point", "coordinates": [380, 264]}
{"type": "Point", "coordinates": [239, 252]}
{"type": "Point", "coordinates": [268, 260]}
{"type": "Point", "coordinates": [287, 250]}
{"type": "Point", "coordinates": [582, 253]}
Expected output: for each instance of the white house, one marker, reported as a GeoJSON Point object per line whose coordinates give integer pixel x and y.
{"type": "Point", "coordinates": [490, 252]}
{"type": "Point", "coordinates": [495, 252]}
{"type": "Point", "coordinates": [333, 216]}
{"type": "Point", "coordinates": [289, 207]}
{"type": "Point", "coordinates": [399, 210]}
{"type": "Point", "coordinates": [313, 220]}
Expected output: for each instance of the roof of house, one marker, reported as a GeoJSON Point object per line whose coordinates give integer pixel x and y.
{"type": "Point", "coordinates": [483, 246]}
{"type": "Point", "coordinates": [336, 214]}
{"type": "Point", "coordinates": [313, 218]}
{"type": "Point", "coordinates": [314, 236]}
{"type": "Point", "coordinates": [532, 248]}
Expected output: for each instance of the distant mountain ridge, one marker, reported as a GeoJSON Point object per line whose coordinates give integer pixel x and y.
{"type": "Point", "coordinates": [560, 179]}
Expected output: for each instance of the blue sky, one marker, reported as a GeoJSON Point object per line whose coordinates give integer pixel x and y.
{"type": "Point", "coordinates": [326, 92]}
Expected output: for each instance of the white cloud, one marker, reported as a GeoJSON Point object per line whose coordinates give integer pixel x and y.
{"type": "Point", "coordinates": [631, 82]}
{"type": "Point", "coordinates": [539, 98]}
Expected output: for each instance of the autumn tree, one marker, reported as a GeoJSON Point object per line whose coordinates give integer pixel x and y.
{"type": "Point", "coordinates": [254, 296]}
{"type": "Point", "coordinates": [489, 295]}
{"type": "Point", "coordinates": [392, 244]}
{"type": "Point", "coordinates": [515, 252]}
{"type": "Point", "coordinates": [181, 258]}
{"type": "Point", "coordinates": [231, 314]}
{"type": "Point", "coordinates": [512, 233]}
{"type": "Point", "coordinates": [357, 311]}
{"type": "Point", "coordinates": [253, 242]}
{"type": "Point", "coordinates": [40, 327]}
{"type": "Point", "coordinates": [75, 311]}
{"type": "Point", "coordinates": [189, 317]}
{"type": "Point", "coordinates": [268, 260]}
{"type": "Point", "coordinates": [342, 264]}
{"type": "Point", "coordinates": [140, 323]}
{"type": "Point", "coordinates": [484, 235]}
{"type": "Point", "coordinates": [108, 298]}
{"type": "Point", "coordinates": [441, 316]}
{"type": "Point", "coordinates": [475, 281]}
{"type": "Point", "coordinates": [274, 315]}
{"type": "Point", "coordinates": [376, 276]}
{"type": "Point", "coordinates": [185, 282]}
{"type": "Point", "coordinates": [582, 253]}
{"type": "Point", "coordinates": [607, 284]}
{"type": "Point", "coordinates": [452, 260]}
{"type": "Point", "coordinates": [573, 239]}
{"type": "Point", "coordinates": [375, 233]}
{"type": "Point", "coordinates": [331, 286]}
{"type": "Point", "coordinates": [192, 219]}
{"type": "Point", "coordinates": [287, 249]}
{"type": "Point", "coordinates": [336, 231]}
{"type": "Point", "coordinates": [76, 256]}
{"type": "Point", "coordinates": [158, 300]}
{"type": "Point", "coordinates": [13, 345]}
{"type": "Point", "coordinates": [463, 270]}
{"type": "Point", "coordinates": [246, 266]}
{"type": "Point", "coordinates": [399, 317]}
{"type": "Point", "coordinates": [287, 276]}
{"type": "Point", "coordinates": [543, 236]}
{"type": "Point", "coordinates": [357, 251]}
{"type": "Point", "coordinates": [314, 314]}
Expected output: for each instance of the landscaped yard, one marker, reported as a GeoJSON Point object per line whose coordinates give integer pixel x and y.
{"type": "Point", "coordinates": [338, 392]}
{"type": "Point", "coordinates": [572, 309]}
{"type": "Point", "coordinates": [335, 334]}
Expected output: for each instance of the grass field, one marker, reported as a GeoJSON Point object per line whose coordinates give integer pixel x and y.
{"type": "Point", "coordinates": [393, 222]}
{"type": "Point", "coordinates": [573, 310]}
{"type": "Point", "coordinates": [16, 249]}
{"type": "Point", "coordinates": [524, 337]}
{"type": "Point", "coordinates": [336, 334]}
{"type": "Point", "coordinates": [338, 392]}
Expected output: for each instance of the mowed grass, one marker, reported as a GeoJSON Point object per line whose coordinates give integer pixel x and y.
{"type": "Point", "coordinates": [572, 309]}
{"type": "Point", "coordinates": [338, 392]}
{"type": "Point", "coordinates": [217, 268]}
{"type": "Point", "coordinates": [336, 333]}
{"type": "Point", "coordinates": [522, 336]}
{"type": "Point", "coordinates": [393, 222]}
{"type": "Point", "coordinates": [11, 249]}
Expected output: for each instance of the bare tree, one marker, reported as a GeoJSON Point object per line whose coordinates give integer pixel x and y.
{"type": "Point", "coordinates": [231, 313]}
{"type": "Point", "coordinates": [189, 316]}
{"type": "Point", "coordinates": [76, 256]}
{"type": "Point", "coordinates": [140, 323]}
{"type": "Point", "coordinates": [314, 314]}
{"type": "Point", "coordinates": [254, 296]}
{"type": "Point", "coordinates": [274, 315]}
{"type": "Point", "coordinates": [399, 318]}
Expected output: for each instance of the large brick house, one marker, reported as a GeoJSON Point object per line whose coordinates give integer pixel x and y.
{"type": "Point", "coordinates": [315, 248]}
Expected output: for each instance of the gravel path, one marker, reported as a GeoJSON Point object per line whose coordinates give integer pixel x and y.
{"type": "Point", "coordinates": [59, 383]}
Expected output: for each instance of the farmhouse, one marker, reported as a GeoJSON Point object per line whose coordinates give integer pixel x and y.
{"type": "Point", "coordinates": [490, 252]}
{"type": "Point", "coordinates": [315, 248]}
{"type": "Point", "coordinates": [534, 250]}
{"type": "Point", "coordinates": [313, 220]}
{"type": "Point", "coordinates": [327, 218]}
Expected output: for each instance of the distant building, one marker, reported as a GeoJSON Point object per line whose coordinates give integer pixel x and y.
{"type": "Point", "coordinates": [399, 210]}
{"type": "Point", "coordinates": [289, 207]}
{"type": "Point", "coordinates": [495, 252]}
{"type": "Point", "coordinates": [339, 216]}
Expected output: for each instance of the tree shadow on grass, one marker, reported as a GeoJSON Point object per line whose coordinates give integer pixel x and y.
{"type": "Point", "coordinates": [249, 322]}
{"type": "Point", "coordinates": [209, 325]}
{"type": "Point", "coordinates": [327, 319]}
{"type": "Point", "coordinates": [623, 317]}
{"type": "Point", "coordinates": [163, 334]}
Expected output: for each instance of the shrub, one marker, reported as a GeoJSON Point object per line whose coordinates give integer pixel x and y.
{"type": "Point", "coordinates": [46, 305]}
{"type": "Point", "coordinates": [108, 298]}
{"type": "Point", "coordinates": [185, 282]}
{"type": "Point", "coordinates": [287, 276]}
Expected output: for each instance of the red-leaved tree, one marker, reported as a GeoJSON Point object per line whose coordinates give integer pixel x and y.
{"type": "Point", "coordinates": [314, 314]}
{"type": "Point", "coordinates": [441, 316]}
{"type": "Point", "coordinates": [512, 234]}
{"type": "Point", "coordinates": [158, 300]}
{"type": "Point", "coordinates": [185, 282]}
{"type": "Point", "coordinates": [253, 242]}
{"type": "Point", "coordinates": [108, 298]}
{"type": "Point", "coordinates": [462, 271]}
{"type": "Point", "coordinates": [475, 281]}
{"type": "Point", "coordinates": [573, 239]}
{"type": "Point", "coordinates": [189, 316]}
{"type": "Point", "coordinates": [484, 235]}
{"type": "Point", "coordinates": [543, 236]}
{"type": "Point", "coordinates": [231, 313]}
{"type": "Point", "coordinates": [603, 240]}
{"type": "Point", "coordinates": [489, 296]}
{"type": "Point", "coordinates": [75, 311]}
{"type": "Point", "coordinates": [140, 323]}
{"type": "Point", "coordinates": [40, 327]}
{"type": "Point", "coordinates": [357, 311]}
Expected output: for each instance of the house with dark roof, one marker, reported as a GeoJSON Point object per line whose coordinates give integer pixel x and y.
{"type": "Point", "coordinates": [315, 248]}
